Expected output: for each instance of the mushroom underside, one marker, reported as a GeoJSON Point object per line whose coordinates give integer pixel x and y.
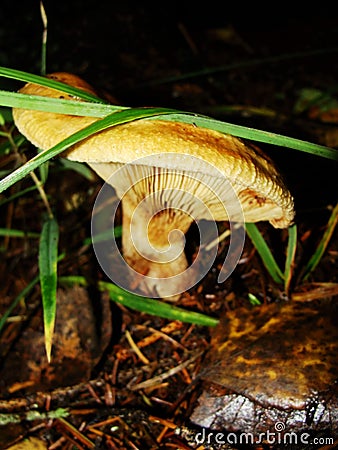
{"type": "Point", "coordinates": [158, 207]}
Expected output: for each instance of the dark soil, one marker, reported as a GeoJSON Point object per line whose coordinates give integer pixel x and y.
{"type": "Point", "coordinates": [245, 65]}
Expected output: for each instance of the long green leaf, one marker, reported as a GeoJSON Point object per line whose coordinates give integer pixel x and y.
{"type": "Point", "coordinates": [101, 237]}
{"type": "Point", "coordinates": [290, 257]}
{"type": "Point", "coordinates": [25, 291]}
{"type": "Point", "coordinates": [78, 167]}
{"type": "Point", "coordinates": [146, 305]}
{"type": "Point", "coordinates": [251, 62]}
{"type": "Point", "coordinates": [49, 82]}
{"type": "Point", "coordinates": [264, 252]}
{"type": "Point", "coordinates": [255, 135]}
{"type": "Point", "coordinates": [17, 300]}
{"type": "Point", "coordinates": [18, 233]}
{"type": "Point", "coordinates": [18, 194]}
{"type": "Point", "coordinates": [317, 255]}
{"type": "Point", "coordinates": [48, 252]}
{"type": "Point", "coordinates": [56, 105]}
{"type": "Point", "coordinates": [156, 307]}
{"type": "Point", "coordinates": [110, 120]}
{"type": "Point", "coordinates": [17, 100]}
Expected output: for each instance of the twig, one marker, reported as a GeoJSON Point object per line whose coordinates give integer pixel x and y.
{"type": "Point", "coordinates": [159, 378]}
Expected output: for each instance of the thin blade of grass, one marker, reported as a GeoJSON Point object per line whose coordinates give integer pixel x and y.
{"type": "Point", "coordinates": [146, 305]}
{"type": "Point", "coordinates": [44, 38]}
{"type": "Point", "coordinates": [48, 252]}
{"type": "Point", "coordinates": [156, 307]}
{"type": "Point", "coordinates": [43, 171]}
{"type": "Point", "coordinates": [255, 135]}
{"type": "Point", "coordinates": [27, 77]}
{"type": "Point", "coordinates": [110, 120]}
{"type": "Point", "coordinates": [78, 167]}
{"type": "Point", "coordinates": [317, 255]}
{"type": "Point", "coordinates": [264, 252]}
{"type": "Point", "coordinates": [17, 300]}
{"type": "Point", "coordinates": [17, 100]}
{"type": "Point", "coordinates": [101, 237]}
{"type": "Point", "coordinates": [252, 62]}
{"type": "Point", "coordinates": [6, 146]}
{"type": "Point", "coordinates": [18, 233]}
{"type": "Point", "coordinates": [236, 130]}
{"type": "Point", "coordinates": [290, 257]}
{"type": "Point", "coordinates": [254, 301]}
{"type": "Point", "coordinates": [18, 194]}
{"type": "Point", "coordinates": [30, 286]}
{"type": "Point", "coordinates": [57, 105]}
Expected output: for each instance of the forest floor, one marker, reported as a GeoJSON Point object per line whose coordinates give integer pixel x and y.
{"type": "Point", "coordinates": [250, 71]}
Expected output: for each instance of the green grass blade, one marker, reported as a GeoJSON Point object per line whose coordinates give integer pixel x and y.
{"type": "Point", "coordinates": [44, 39]}
{"type": "Point", "coordinates": [156, 307]}
{"type": "Point", "coordinates": [146, 305]}
{"type": "Point", "coordinates": [254, 301]}
{"type": "Point", "coordinates": [48, 252]}
{"type": "Point", "coordinates": [17, 300]}
{"type": "Point", "coordinates": [18, 194]}
{"type": "Point", "coordinates": [110, 120]}
{"type": "Point", "coordinates": [264, 252]}
{"type": "Point", "coordinates": [6, 146]}
{"type": "Point", "coordinates": [251, 62]}
{"type": "Point", "coordinates": [17, 100]}
{"type": "Point", "coordinates": [43, 81]}
{"type": "Point", "coordinates": [21, 296]}
{"type": "Point", "coordinates": [256, 135]}
{"type": "Point", "coordinates": [290, 257]}
{"type": "Point", "coordinates": [57, 105]}
{"type": "Point", "coordinates": [101, 237]}
{"type": "Point", "coordinates": [78, 167]}
{"type": "Point", "coordinates": [43, 171]}
{"type": "Point", "coordinates": [18, 233]}
{"type": "Point", "coordinates": [317, 256]}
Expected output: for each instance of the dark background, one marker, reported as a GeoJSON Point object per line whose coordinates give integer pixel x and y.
{"type": "Point", "coordinates": [152, 54]}
{"type": "Point", "coordinates": [128, 43]}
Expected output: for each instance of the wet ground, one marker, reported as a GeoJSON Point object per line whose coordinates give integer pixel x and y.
{"type": "Point", "coordinates": [239, 65]}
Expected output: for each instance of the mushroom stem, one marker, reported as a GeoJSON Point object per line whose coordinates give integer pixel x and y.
{"type": "Point", "coordinates": [153, 244]}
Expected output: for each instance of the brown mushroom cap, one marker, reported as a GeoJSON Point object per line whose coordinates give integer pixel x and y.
{"type": "Point", "coordinates": [173, 155]}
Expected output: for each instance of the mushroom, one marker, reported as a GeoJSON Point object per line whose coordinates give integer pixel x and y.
{"type": "Point", "coordinates": [158, 168]}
